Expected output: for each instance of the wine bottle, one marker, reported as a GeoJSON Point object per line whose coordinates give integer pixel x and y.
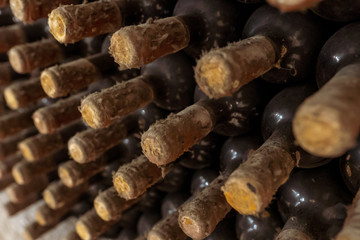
{"type": "Point", "coordinates": [337, 10]}
{"type": "Point", "coordinates": [8, 146]}
{"type": "Point", "coordinates": [88, 145]}
{"type": "Point", "coordinates": [66, 22]}
{"type": "Point", "coordinates": [167, 139]}
{"type": "Point", "coordinates": [29, 56]}
{"type": "Point", "coordinates": [8, 75]}
{"type": "Point", "coordinates": [16, 34]}
{"type": "Point", "coordinates": [6, 182]}
{"type": "Point", "coordinates": [18, 193]}
{"type": "Point", "coordinates": [305, 209]}
{"type": "Point", "coordinates": [13, 208]}
{"type": "Point", "coordinates": [50, 118]}
{"type": "Point", "coordinates": [42, 145]}
{"type": "Point", "coordinates": [250, 188]}
{"type": "Point", "coordinates": [224, 230]}
{"type": "Point", "coordinates": [195, 27]}
{"type": "Point", "coordinates": [24, 172]}
{"type": "Point", "coordinates": [326, 124]}
{"type": "Point", "coordinates": [177, 179]}
{"type": "Point", "coordinates": [34, 230]}
{"type": "Point", "coordinates": [280, 47]}
{"type": "Point", "coordinates": [351, 230]}
{"type": "Point", "coordinates": [146, 221]}
{"type": "Point", "coordinates": [7, 164]}
{"type": "Point", "coordinates": [168, 82]}
{"type": "Point", "coordinates": [6, 15]}
{"type": "Point", "coordinates": [16, 121]}
{"type": "Point", "coordinates": [23, 93]}
{"type": "Point", "coordinates": [109, 206]}
{"type": "Point", "coordinates": [266, 226]}
{"type": "Point", "coordinates": [60, 80]}
{"type": "Point", "coordinates": [288, 5]}
{"type": "Point", "coordinates": [29, 11]}
{"type": "Point", "coordinates": [202, 178]}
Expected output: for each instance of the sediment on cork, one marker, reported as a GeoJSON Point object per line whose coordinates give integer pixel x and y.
{"type": "Point", "coordinates": [168, 139]}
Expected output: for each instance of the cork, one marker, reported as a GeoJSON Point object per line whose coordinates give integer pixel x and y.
{"type": "Point", "coordinates": [351, 230]}
{"type": "Point", "coordinates": [51, 118]}
{"type": "Point", "coordinates": [7, 164]}
{"type": "Point", "coordinates": [109, 206]}
{"type": "Point", "coordinates": [250, 188]}
{"type": "Point", "coordinates": [57, 194]}
{"type": "Point", "coordinates": [34, 230]}
{"type": "Point", "coordinates": [73, 174]}
{"type": "Point", "coordinates": [6, 182]}
{"type": "Point", "coordinates": [88, 145]}
{"type": "Point", "coordinates": [8, 146]}
{"type": "Point", "coordinates": [199, 216]}
{"type": "Point", "coordinates": [15, 121]}
{"type": "Point", "coordinates": [167, 228]}
{"type": "Point", "coordinates": [13, 208]}
{"type": "Point", "coordinates": [29, 11]}
{"type": "Point", "coordinates": [100, 109]}
{"type": "Point", "coordinates": [60, 80]}
{"type": "Point", "coordinates": [22, 93]}
{"type": "Point", "coordinates": [5, 74]}
{"type": "Point", "coordinates": [46, 216]}
{"type": "Point", "coordinates": [71, 23]}
{"type": "Point", "coordinates": [18, 193]}
{"type": "Point", "coordinates": [327, 124]}
{"type": "Point", "coordinates": [29, 56]}
{"type": "Point", "coordinates": [222, 72]}
{"type": "Point", "coordinates": [89, 226]}
{"type": "Point", "coordinates": [293, 234]}
{"type": "Point", "coordinates": [133, 179]}
{"type": "Point", "coordinates": [137, 45]}
{"type": "Point", "coordinates": [11, 36]}
{"type": "Point", "coordinates": [41, 145]}
{"type": "Point", "coordinates": [168, 139]}
{"type": "Point", "coordinates": [293, 5]}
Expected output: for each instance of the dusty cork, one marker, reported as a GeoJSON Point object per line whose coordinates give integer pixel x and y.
{"type": "Point", "coordinates": [89, 226]}
{"type": "Point", "coordinates": [8, 146]}
{"type": "Point", "coordinates": [11, 36]}
{"type": "Point", "coordinates": [7, 164]}
{"type": "Point", "coordinates": [71, 23]}
{"type": "Point", "coordinates": [167, 228]}
{"type": "Point", "coordinates": [168, 139]}
{"type": "Point", "coordinates": [109, 206]}
{"type": "Point", "coordinates": [327, 123]}
{"type": "Point", "coordinates": [46, 216]}
{"type": "Point", "coordinates": [5, 74]}
{"type": "Point", "coordinates": [15, 121]}
{"type": "Point", "coordinates": [21, 94]}
{"type": "Point", "coordinates": [133, 179]}
{"type": "Point", "coordinates": [13, 208]}
{"type": "Point", "coordinates": [57, 194]}
{"type": "Point", "coordinates": [351, 228]}
{"type": "Point", "coordinates": [18, 193]}
{"type": "Point", "coordinates": [293, 234]}
{"type": "Point", "coordinates": [100, 109]}
{"type": "Point", "coordinates": [29, 56]}
{"type": "Point", "coordinates": [50, 118]}
{"type": "Point", "coordinates": [250, 188]}
{"type": "Point", "coordinates": [88, 145]}
{"type": "Point", "coordinates": [34, 230]}
{"type": "Point", "coordinates": [222, 72]}
{"type": "Point", "coordinates": [293, 5]}
{"type": "Point", "coordinates": [60, 80]}
{"type": "Point", "coordinates": [198, 218]}
{"type": "Point", "coordinates": [36, 147]}
{"type": "Point", "coordinates": [137, 45]}
{"type": "Point", "coordinates": [73, 174]}
{"type": "Point", "coordinates": [24, 172]}
{"type": "Point", "coordinates": [29, 11]}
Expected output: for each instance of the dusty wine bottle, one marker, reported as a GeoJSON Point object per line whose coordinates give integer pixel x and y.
{"type": "Point", "coordinates": [66, 22]}
{"type": "Point", "coordinates": [18, 193]}
{"type": "Point", "coordinates": [289, 5]}
{"type": "Point", "coordinates": [8, 146]}
{"type": "Point", "coordinates": [7, 164]}
{"type": "Point", "coordinates": [8, 75]}
{"type": "Point", "coordinates": [250, 188]}
{"type": "Point", "coordinates": [29, 56]}
{"type": "Point", "coordinates": [268, 50]}
{"type": "Point", "coordinates": [326, 124]}
{"type": "Point", "coordinates": [195, 27]}
{"type": "Point", "coordinates": [167, 82]}
{"type": "Point", "coordinates": [338, 10]}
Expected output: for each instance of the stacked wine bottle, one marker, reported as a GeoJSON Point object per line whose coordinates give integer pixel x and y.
{"type": "Point", "coordinates": [180, 119]}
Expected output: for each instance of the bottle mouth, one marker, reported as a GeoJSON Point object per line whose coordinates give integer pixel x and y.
{"type": "Point", "coordinates": [57, 26]}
